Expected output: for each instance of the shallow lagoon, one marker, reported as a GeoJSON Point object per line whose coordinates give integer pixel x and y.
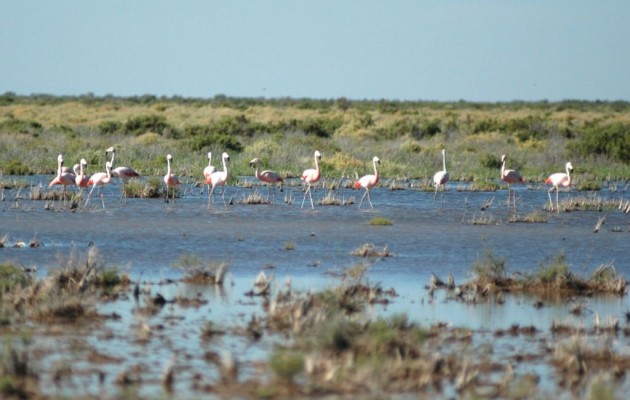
{"type": "Point", "coordinates": [147, 237]}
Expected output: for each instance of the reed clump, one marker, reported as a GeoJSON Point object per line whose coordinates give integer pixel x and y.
{"type": "Point", "coordinates": [370, 250]}
{"type": "Point", "coordinates": [553, 276]}
{"type": "Point", "coordinates": [199, 272]}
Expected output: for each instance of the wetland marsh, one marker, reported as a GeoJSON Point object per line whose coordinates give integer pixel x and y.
{"type": "Point", "coordinates": [307, 337]}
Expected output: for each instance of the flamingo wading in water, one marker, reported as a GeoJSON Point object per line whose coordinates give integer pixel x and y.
{"type": "Point", "coordinates": [170, 179]}
{"type": "Point", "coordinates": [100, 179]}
{"type": "Point", "coordinates": [207, 171]}
{"type": "Point", "coordinates": [368, 182]}
{"type": "Point", "coordinates": [510, 176]}
{"type": "Point", "coordinates": [311, 176]}
{"type": "Point", "coordinates": [81, 179]}
{"type": "Point", "coordinates": [440, 178]}
{"type": "Point", "coordinates": [124, 173]}
{"type": "Point", "coordinates": [219, 178]}
{"type": "Point", "coordinates": [559, 179]}
{"type": "Point", "coordinates": [63, 177]}
{"type": "Point", "coordinates": [268, 177]}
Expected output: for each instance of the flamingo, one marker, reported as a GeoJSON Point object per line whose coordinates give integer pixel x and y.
{"type": "Point", "coordinates": [510, 176]}
{"type": "Point", "coordinates": [170, 179]}
{"type": "Point", "coordinates": [266, 176]}
{"type": "Point", "coordinates": [124, 173]}
{"type": "Point", "coordinates": [368, 182]}
{"type": "Point", "coordinates": [207, 171]}
{"type": "Point", "coordinates": [219, 178]}
{"type": "Point", "coordinates": [441, 177]}
{"type": "Point", "coordinates": [80, 179]}
{"type": "Point", "coordinates": [559, 179]}
{"type": "Point", "coordinates": [64, 178]}
{"type": "Point", "coordinates": [311, 176]}
{"type": "Point", "coordinates": [100, 179]}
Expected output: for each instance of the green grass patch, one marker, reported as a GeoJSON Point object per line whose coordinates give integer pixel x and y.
{"type": "Point", "coordinates": [380, 221]}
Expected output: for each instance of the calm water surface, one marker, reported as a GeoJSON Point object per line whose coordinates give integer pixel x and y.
{"type": "Point", "coordinates": [147, 237]}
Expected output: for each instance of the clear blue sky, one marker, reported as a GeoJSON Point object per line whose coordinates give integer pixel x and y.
{"type": "Point", "coordinates": [443, 50]}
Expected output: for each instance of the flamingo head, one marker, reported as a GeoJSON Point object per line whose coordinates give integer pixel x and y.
{"type": "Point", "coordinates": [225, 156]}
{"type": "Point", "coordinates": [376, 160]}
{"type": "Point", "coordinates": [169, 157]}
{"type": "Point", "coordinates": [110, 150]}
{"type": "Point", "coordinates": [254, 162]}
{"type": "Point", "coordinates": [83, 162]}
{"type": "Point", "coordinates": [209, 155]}
{"type": "Point", "coordinates": [318, 155]}
{"type": "Point", "coordinates": [569, 166]}
{"type": "Point", "coordinates": [60, 158]}
{"type": "Point", "coordinates": [503, 157]}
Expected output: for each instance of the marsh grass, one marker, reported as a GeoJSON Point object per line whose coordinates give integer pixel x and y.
{"type": "Point", "coordinates": [254, 199]}
{"type": "Point", "coordinates": [13, 277]}
{"type": "Point", "coordinates": [482, 219]}
{"type": "Point", "coordinates": [532, 217]}
{"type": "Point", "coordinates": [369, 250]}
{"type": "Point", "coordinates": [380, 221]}
{"type": "Point", "coordinates": [589, 202]}
{"type": "Point", "coordinates": [490, 269]}
{"type": "Point", "coordinates": [552, 276]}
{"type": "Point", "coordinates": [331, 198]}
{"type": "Point", "coordinates": [13, 183]}
{"type": "Point", "coordinates": [199, 272]}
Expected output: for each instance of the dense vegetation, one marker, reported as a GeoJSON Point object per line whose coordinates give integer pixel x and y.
{"type": "Point", "coordinates": [538, 137]}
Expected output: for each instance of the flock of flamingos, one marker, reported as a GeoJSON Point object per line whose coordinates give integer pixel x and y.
{"type": "Point", "coordinates": [213, 177]}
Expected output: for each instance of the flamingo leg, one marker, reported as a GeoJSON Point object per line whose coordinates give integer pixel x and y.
{"type": "Point", "coordinates": [362, 197]}
{"type": "Point", "coordinates": [308, 189]}
{"type": "Point", "coordinates": [89, 194]}
{"type": "Point", "coordinates": [435, 194]}
{"type": "Point", "coordinates": [103, 199]}
{"type": "Point", "coordinates": [367, 191]}
{"type": "Point", "coordinates": [550, 201]}
{"type": "Point", "coordinates": [557, 205]}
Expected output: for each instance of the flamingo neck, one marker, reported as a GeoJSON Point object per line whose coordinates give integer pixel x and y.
{"type": "Point", "coordinates": [503, 168]}
{"type": "Point", "coordinates": [568, 177]}
{"type": "Point", "coordinates": [113, 156]}
{"type": "Point", "coordinates": [375, 170]}
{"type": "Point", "coordinates": [168, 167]}
{"type": "Point", "coordinates": [225, 166]}
{"type": "Point", "coordinates": [316, 164]}
{"type": "Point", "coordinates": [444, 162]}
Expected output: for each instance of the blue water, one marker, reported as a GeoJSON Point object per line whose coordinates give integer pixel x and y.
{"type": "Point", "coordinates": [147, 237]}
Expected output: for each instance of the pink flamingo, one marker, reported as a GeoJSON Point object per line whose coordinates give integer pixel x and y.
{"type": "Point", "coordinates": [368, 182]}
{"type": "Point", "coordinates": [311, 176]}
{"type": "Point", "coordinates": [170, 179]}
{"type": "Point", "coordinates": [269, 177]}
{"type": "Point", "coordinates": [123, 173]}
{"type": "Point", "coordinates": [207, 171]}
{"type": "Point", "coordinates": [440, 178]}
{"type": "Point", "coordinates": [559, 179]}
{"type": "Point", "coordinates": [219, 178]}
{"type": "Point", "coordinates": [81, 178]}
{"type": "Point", "coordinates": [100, 179]}
{"type": "Point", "coordinates": [510, 176]}
{"type": "Point", "coordinates": [62, 178]}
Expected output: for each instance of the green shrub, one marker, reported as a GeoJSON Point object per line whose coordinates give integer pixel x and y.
{"type": "Point", "coordinates": [14, 125]}
{"type": "Point", "coordinates": [12, 276]}
{"type": "Point", "coordinates": [15, 167]}
{"type": "Point", "coordinates": [110, 127]}
{"type": "Point", "coordinates": [147, 123]}
{"type": "Point", "coordinates": [489, 267]}
{"type": "Point", "coordinates": [611, 140]}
